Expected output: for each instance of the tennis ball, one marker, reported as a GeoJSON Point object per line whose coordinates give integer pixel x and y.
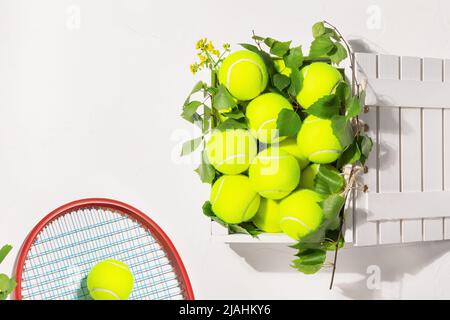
{"type": "Point", "coordinates": [231, 151]}
{"type": "Point", "coordinates": [268, 216]}
{"type": "Point", "coordinates": [262, 114]}
{"type": "Point", "coordinates": [281, 68]}
{"type": "Point", "coordinates": [233, 199]}
{"type": "Point", "coordinates": [300, 213]}
{"type": "Point", "coordinates": [110, 280]}
{"type": "Point", "coordinates": [309, 175]}
{"type": "Point", "coordinates": [290, 146]}
{"type": "Point", "coordinates": [317, 141]}
{"type": "Point", "coordinates": [244, 74]}
{"type": "Point", "coordinates": [274, 173]}
{"type": "Point", "coordinates": [319, 79]}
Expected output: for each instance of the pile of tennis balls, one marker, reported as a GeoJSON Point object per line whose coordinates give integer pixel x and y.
{"type": "Point", "coordinates": [268, 179]}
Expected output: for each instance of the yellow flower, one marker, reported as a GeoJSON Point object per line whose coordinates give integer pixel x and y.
{"type": "Point", "coordinates": [210, 47]}
{"type": "Point", "coordinates": [226, 47]}
{"type": "Point", "coordinates": [194, 68]}
{"type": "Point", "coordinates": [201, 44]}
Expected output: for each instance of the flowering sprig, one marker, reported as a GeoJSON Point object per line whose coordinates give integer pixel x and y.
{"type": "Point", "coordinates": [209, 57]}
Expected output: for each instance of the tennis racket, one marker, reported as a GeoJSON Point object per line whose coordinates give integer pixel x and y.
{"type": "Point", "coordinates": [58, 254]}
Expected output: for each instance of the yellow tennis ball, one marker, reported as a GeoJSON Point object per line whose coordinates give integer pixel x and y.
{"type": "Point", "coordinates": [274, 173]}
{"type": "Point", "coordinates": [110, 280]}
{"type": "Point", "coordinates": [290, 146]}
{"type": "Point", "coordinates": [300, 213]}
{"type": "Point", "coordinates": [233, 199]}
{"type": "Point", "coordinates": [319, 79]}
{"type": "Point", "coordinates": [280, 66]}
{"type": "Point", "coordinates": [309, 175]}
{"type": "Point", "coordinates": [262, 114]}
{"type": "Point", "coordinates": [317, 141]}
{"type": "Point", "coordinates": [244, 74]}
{"type": "Point", "coordinates": [231, 151]}
{"type": "Point", "coordinates": [268, 216]}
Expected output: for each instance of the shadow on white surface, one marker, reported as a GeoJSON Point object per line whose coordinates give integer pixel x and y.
{"type": "Point", "coordinates": [395, 265]}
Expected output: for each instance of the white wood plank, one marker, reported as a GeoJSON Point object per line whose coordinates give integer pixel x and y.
{"type": "Point", "coordinates": [409, 93]}
{"type": "Point", "coordinates": [389, 155]}
{"type": "Point", "coordinates": [410, 147]}
{"type": "Point", "coordinates": [432, 149]}
{"type": "Point", "coordinates": [408, 205]}
{"type": "Point", "coordinates": [348, 219]}
{"type": "Point", "coordinates": [366, 233]}
{"type": "Point", "coordinates": [446, 144]}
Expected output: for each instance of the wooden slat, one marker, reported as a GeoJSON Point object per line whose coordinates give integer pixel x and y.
{"type": "Point", "coordinates": [410, 148]}
{"type": "Point", "coordinates": [446, 144]}
{"type": "Point", "coordinates": [366, 233]}
{"type": "Point", "coordinates": [348, 219]}
{"type": "Point", "coordinates": [389, 155]}
{"type": "Point", "coordinates": [432, 148]}
{"type": "Point", "coordinates": [388, 93]}
{"type": "Point", "coordinates": [408, 205]}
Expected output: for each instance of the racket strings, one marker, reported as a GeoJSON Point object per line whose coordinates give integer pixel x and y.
{"type": "Point", "coordinates": [65, 251]}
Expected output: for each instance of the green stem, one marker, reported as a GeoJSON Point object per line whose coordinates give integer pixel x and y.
{"type": "Point", "coordinates": [214, 113]}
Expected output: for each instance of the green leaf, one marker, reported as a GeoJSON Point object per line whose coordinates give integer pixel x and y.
{"type": "Point", "coordinates": [296, 82]}
{"type": "Point", "coordinates": [328, 181]}
{"type": "Point", "coordinates": [353, 107]}
{"type": "Point", "coordinates": [269, 41]}
{"type": "Point", "coordinates": [309, 261]}
{"type": "Point", "coordinates": [295, 58]}
{"type": "Point", "coordinates": [313, 240]}
{"type": "Point", "coordinates": [223, 100]}
{"type": "Point", "coordinates": [338, 53]}
{"type": "Point", "coordinates": [280, 81]}
{"type": "Point", "coordinates": [321, 46]}
{"type": "Point", "coordinates": [7, 286]}
{"type": "Point", "coordinates": [318, 29]}
{"type": "Point", "coordinates": [258, 38]}
{"type": "Point", "coordinates": [4, 283]}
{"type": "Point", "coordinates": [235, 114]}
{"type": "Point", "coordinates": [205, 170]}
{"type": "Point", "coordinates": [331, 33]}
{"type": "Point", "coordinates": [288, 123]}
{"type": "Point", "coordinates": [4, 252]}
{"type": "Point", "coordinates": [326, 107]}
{"type": "Point", "coordinates": [245, 228]}
{"type": "Point", "coordinates": [342, 130]}
{"type": "Point", "coordinates": [343, 91]}
{"type": "Point", "coordinates": [365, 145]}
{"type": "Point", "coordinates": [280, 48]}
{"type": "Point", "coordinates": [250, 47]}
{"type": "Point", "coordinates": [350, 155]}
{"type": "Point", "coordinates": [190, 146]}
{"type": "Point", "coordinates": [232, 124]}
{"type": "Point", "coordinates": [12, 284]}
{"type": "Point", "coordinates": [198, 86]}
{"type": "Point", "coordinates": [207, 211]}
{"type": "Point", "coordinates": [190, 109]}
{"type": "Point", "coordinates": [332, 237]}
{"type": "Point", "coordinates": [332, 206]}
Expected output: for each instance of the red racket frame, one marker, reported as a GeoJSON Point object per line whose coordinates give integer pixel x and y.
{"type": "Point", "coordinates": [136, 214]}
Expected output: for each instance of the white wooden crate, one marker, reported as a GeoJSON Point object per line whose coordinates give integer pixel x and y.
{"type": "Point", "coordinates": [408, 176]}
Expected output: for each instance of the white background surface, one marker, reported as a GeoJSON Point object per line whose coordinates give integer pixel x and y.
{"type": "Point", "coordinates": [90, 97]}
